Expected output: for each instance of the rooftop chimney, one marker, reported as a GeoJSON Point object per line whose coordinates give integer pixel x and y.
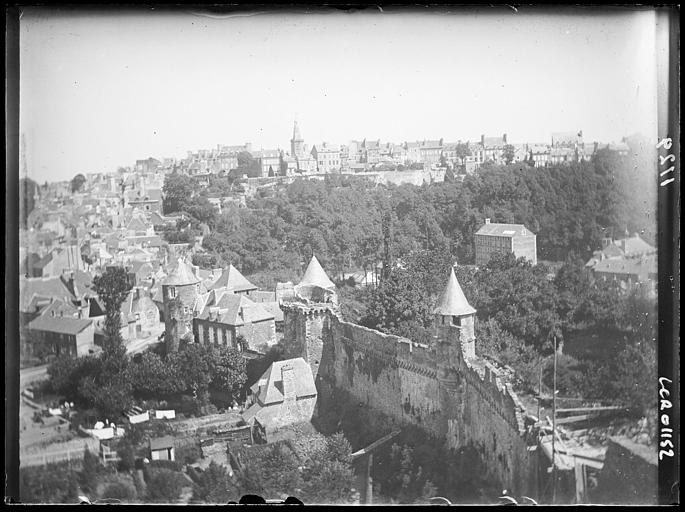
{"type": "Point", "coordinates": [487, 221]}
{"type": "Point", "coordinates": [288, 377]}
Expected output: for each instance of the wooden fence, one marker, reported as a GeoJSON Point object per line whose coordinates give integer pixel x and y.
{"type": "Point", "coordinates": [69, 454]}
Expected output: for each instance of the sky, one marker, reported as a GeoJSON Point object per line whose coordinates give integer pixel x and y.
{"type": "Point", "coordinates": [99, 90]}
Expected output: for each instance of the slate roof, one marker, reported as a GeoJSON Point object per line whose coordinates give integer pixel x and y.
{"type": "Point", "coordinates": [154, 194]}
{"type": "Point", "coordinates": [62, 325]}
{"type": "Point", "coordinates": [46, 287]}
{"type": "Point", "coordinates": [266, 153]}
{"type": "Point", "coordinates": [274, 309]}
{"type": "Point", "coordinates": [181, 275]}
{"type": "Point", "coordinates": [60, 309]}
{"type": "Point", "coordinates": [631, 266]}
{"type": "Point", "coordinates": [504, 230]}
{"type": "Point", "coordinates": [232, 278]}
{"type": "Point", "coordinates": [234, 310]}
{"type": "Point", "coordinates": [634, 245]}
{"type": "Point", "coordinates": [151, 241]}
{"type": "Point", "coordinates": [453, 301]}
{"type": "Point", "coordinates": [136, 225]}
{"type": "Point", "coordinates": [565, 138]}
{"type": "Point", "coordinates": [493, 142]}
{"type": "Point", "coordinates": [269, 387]}
{"type": "Point", "coordinates": [29, 262]}
{"type": "Point", "coordinates": [316, 276]}
{"type": "Point", "coordinates": [326, 148]}
{"type": "Point", "coordinates": [262, 296]}
{"type": "Point", "coordinates": [131, 306]}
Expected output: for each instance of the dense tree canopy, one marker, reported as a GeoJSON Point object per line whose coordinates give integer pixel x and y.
{"type": "Point", "coordinates": [112, 381]}
{"type": "Point", "coordinates": [112, 287]}
{"type": "Point", "coordinates": [569, 207]}
{"type": "Point", "coordinates": [77, 182]}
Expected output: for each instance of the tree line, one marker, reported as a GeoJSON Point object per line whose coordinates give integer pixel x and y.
{"type": "Point", "coordinates": [341, 219]}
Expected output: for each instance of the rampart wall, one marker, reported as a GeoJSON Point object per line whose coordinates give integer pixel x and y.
{"type": "Point", "coordinates": [461, 400]}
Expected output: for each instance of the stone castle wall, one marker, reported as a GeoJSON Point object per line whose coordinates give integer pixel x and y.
{"type": "Point", "coordinates": [387, 373]}
{"type": "Point", "coordinates": [463, 401]}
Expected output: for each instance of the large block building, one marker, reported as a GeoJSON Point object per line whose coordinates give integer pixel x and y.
{"type": "Point", "coordinates": [505, 238]}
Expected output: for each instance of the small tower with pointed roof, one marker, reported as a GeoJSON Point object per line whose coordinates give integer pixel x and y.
{"type": "Point", "coordinates": [305, 315]}
{"type": "Point", "coordinates": [315, 285]}
{"type": "Point", "coordinates": [180, 290]}
{"type": "Point", "coordinates": [452, 312]}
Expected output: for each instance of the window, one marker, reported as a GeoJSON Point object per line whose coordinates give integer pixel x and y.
{"type": "Point", "coordinates": [172, 292]}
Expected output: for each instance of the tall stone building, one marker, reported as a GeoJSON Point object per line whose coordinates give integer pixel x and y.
{"type": "Point", "coordinates": [505, 238]}
{"type": "Point", "coordinates": [179, 292]}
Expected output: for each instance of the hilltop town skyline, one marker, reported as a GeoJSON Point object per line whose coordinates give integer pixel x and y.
{"type": "Point", "coordinates": [99, 91]}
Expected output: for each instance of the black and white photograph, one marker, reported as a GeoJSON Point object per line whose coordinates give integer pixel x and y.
{"type": "Point", "coordinates": [346, 255]}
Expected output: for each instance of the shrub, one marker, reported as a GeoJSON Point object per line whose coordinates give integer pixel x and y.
{"type": "Point", "coordinates": [172, 465]}
{"type": "Point", "coordinates": [122, 490]}
{"type": "Point", "coordinates": [164, 485]}
{"type": "Point", "coordinates": [52, 483]}
{"type": "Point", "coordinates": [189, 453]}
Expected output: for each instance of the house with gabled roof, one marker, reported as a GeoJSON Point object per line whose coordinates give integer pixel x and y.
{"type": "Point", "coordinates": [138, 227]}
{"type": "Point", "coordinates": [222, 316]}
{"type": "Point", "coordinates": [61, 335]}
{"type": "Point", "coordinates": [232, 278]}
{"type": "Point", "coordinates": [494, 238]}
{"type": "Point", "coordinates": [285, 395]}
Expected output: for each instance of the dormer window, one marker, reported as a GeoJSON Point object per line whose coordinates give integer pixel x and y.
{"type": "Point", "coordinates": [172, 292]}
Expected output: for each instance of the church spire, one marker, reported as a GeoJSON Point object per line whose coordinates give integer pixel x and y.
{"type": "Point", "coordinates": [296, 133]}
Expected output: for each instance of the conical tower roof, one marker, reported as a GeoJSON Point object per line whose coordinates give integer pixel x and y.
{"type": "Point", "coordinates": [182, 275]}
{"type": "Point", "coordinates": [316, 276]}
{"type": "Point", "coordinates": [232, 278]}
{"type": "Point", "coordinates": [453, 301]}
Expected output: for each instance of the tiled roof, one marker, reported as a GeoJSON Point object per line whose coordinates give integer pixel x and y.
{"type": "Point", "coordinates": [62, 325]}
{"type": "Point", "coordinates": [269, 387]}
{"type": "Point", "coordinates": [504, 230]}
{"type": "Point", "coordinates": [453, 301]}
